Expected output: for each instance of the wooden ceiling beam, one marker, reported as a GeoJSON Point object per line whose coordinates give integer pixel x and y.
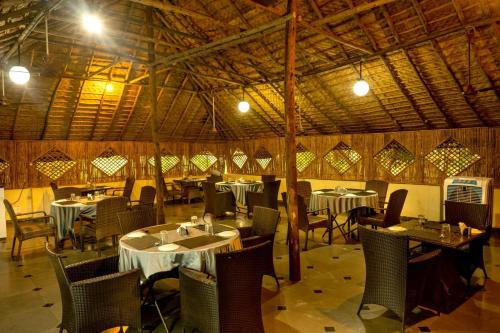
{"type": "Point", "coordinates": [339, 17]}
{"type": "Point", "coordinates": [183, 114]}
{"type": "Point", "coordinates": [172, 104]}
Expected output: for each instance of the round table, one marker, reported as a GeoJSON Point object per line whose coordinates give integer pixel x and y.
{"type": "Point", "coordinates": [341, 202]}
{"type": "Point", "coordinates": [239, 189]}
{"type": "Point", "coordinates": [66, 212]}
{"type": "Point", "coordinates": [151, 260]}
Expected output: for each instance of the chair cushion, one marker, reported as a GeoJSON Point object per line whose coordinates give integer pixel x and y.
{"type": "Point", "coordinates": [36, 229]}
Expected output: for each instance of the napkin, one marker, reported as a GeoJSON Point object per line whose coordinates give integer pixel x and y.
{"type": "Point", "coordinates": [168, 247]}
{"type": "Point", "coordinates": [226, 234]}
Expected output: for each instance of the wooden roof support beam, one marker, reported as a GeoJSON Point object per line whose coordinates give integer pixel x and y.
{"type": "Point", "coordinates": [172, 104]}
{"type": "Point", "coordinates": [480, 117]}
{"type": "Point", "coordinates": [51, 103]}
{"type": "Point", "coordinates": [30, 28]}
{"type": "Point", "coordinates": [183, 114]}
{"type": "Point", "coordinates": [226, 42]}
{"type": "Point", "coordinates": [339, 17]}
{"type": "Point", "coordinates": [311, 26]}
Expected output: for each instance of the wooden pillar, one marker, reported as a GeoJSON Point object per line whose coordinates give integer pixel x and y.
{"type": "Point", "coordinates": [290, 143]}
{"type": "Point", "coordinates": [160, 215]}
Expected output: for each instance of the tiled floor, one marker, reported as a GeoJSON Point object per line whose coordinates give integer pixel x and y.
{"type": "Point", "coordinates": [325, 300]}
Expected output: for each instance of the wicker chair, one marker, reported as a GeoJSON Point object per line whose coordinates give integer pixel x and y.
{"type": "Point", "coordinates": [65, 192]}
{"type": "Point", "coordinates": [304, 189]}
{"type": "Point", "coordinates": [146, 198]}
{"type": "Point", "coordinates": [218, 203]}
{"type": "Point", "coordinates": [171, 190]}
{"type": "Point", "coordinates": [95, 296]}
{"type": "Point", "coordinates": [53, 186]}
{"type": "Point", "coordinates": [267, 198]}
{"type": "Point", "coordinates": [310, 220]}
{"type": "Point", "coordinates": [230, 303]}
{"type": "Point", "coordinates": [265, 221]}
{"type": "Point", "coordinates": [267, 178]}
{"type": "Point", "coordinates": [476, 216]}
{"type": "Point", "coordinates": [379, 186]}
{"type": "Point", "coordinates": [125, 191]}
{"type": "Point", "coordinates": [393, 279]}
{"type": "Point", "coordinates": [29, 226]}
{"type": "Point", "coordinates": [130, 220]}
{"type": "Point", "coordinates": [106, 221]}
{"type": "Point", "coordinates": [392, 213]}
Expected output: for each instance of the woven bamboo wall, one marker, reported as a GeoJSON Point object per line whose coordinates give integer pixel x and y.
{"type": "Point", "coordinates": [483, 141]}
{"type": "Point", "coordinates": [21, 154]}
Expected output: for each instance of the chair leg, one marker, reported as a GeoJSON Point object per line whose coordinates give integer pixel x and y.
{"type": "Point", "coordinates": [61, 329]}
{"type": "Point", "coordinates": [307, 236]}
{"type": "Point", "coordinates": [13, 246]}
{"type": "Point", "coordinates": [19, 249]}
{"type": "Point", "coordinates": [403, 323]}
{"type": "Point", "coordinates": [161, 317]}
{"type": "Point", "coordinates": [359, 309]}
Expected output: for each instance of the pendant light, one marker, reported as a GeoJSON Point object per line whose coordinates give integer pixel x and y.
{"type": "Point", "coordinates": [361, 87]}
{"type": "Point", "coordinates": [243, 106]}
{"type": "Point", "coordinates": [19, 74]}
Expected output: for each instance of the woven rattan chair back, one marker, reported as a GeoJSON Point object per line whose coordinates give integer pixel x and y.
{"type": "Point", "coordinates": [129, 186]}
{"type": "Point", "coordinates": [265, 221]}
{"type": "Point", "coordinates": [53, 186]}
{"type": "Point", "coordinates": [131, 220]}
{"type": "Point", "coordinates": [147, 196]}
{"type": "Point", "coordinates": [304, 189]}
{"type": "Point", "coordinates": [68, 310]}
{"type": "Point", "coordinates": [268, 178]}
{"type": "Point", "coordinates": [239, 284]}
{"type": "Point", "coordinates": [106, 216]}
{"type": "Point", "coordinates": [395, 207]}
{"type": "Point", "coordinates": [386, 259]}
{"type": "Point", "coordinates": [473, 214]}
{"type": "Point", "coordinates": [379, 186]}
{"type": "Point", "coordinates": [270, 194]}
{"type": "Point", "coordinates": [65, 192]}
{"type": "Point", "coordinates": [209, 196]}
{"type": "Point", "coordinates": [13, 217]}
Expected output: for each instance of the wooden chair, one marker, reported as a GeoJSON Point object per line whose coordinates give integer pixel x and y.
{"type": "Point", "coordinates": [310, 220]}
{"type": "Point", "coordinates": [171, 190]}
{"type": "Point", "coordinates": [264, 224]}
{"type": "Point", "coordinates": [476, 216]}
{"type": "Point", "coordinates": [146, 198]}
{"type": "Point", "coordinates": [267, 198]}
{"type": "Point", "coordinates": [393, 279]}
{"type": "Point", "coordinates": [54, 186]}
{"type": "Point", "coordinates": [96, 296]}
{"type": "Point", "coordinates": [304, 189]}
{"type": "Point", "coordinates": [106, 221]}
{"type": "Point", "coordinates": [230, 302]}
{"type": "Point", "coordinates": [392, 213]}
{"type": "Point", "coordinates": [125, 191]}
{"type": "Point", "coordinates": [379, 186]}
{"type": "Point", "coordinates": [30, 227]}
{"type": "Point", "coordinates": [218, 203]}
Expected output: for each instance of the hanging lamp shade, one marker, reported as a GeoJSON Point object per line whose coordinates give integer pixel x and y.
{"type": "Point", "coordinates": [361, 87]}
{"type": "Point", "coordinates": [19, 74]}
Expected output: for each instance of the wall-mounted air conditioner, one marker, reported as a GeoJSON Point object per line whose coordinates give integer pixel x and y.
{"type": "Point", "coordinates": [470, 189]}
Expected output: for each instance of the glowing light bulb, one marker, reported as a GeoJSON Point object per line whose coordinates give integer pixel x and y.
{"type": "Point", "coordinates": [19, 74]}
{"type": "Point", "coordinates": [109, 87]}
{"type": "Point", "coordinates": [243, 106]}
{"type": "Point", "coordinates": [361, 88]}
{"type": "Point", "coordinates": [92, 23]}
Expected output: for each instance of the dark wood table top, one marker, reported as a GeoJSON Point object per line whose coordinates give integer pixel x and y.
{"type": "Point", "coordinates": [430, 234]}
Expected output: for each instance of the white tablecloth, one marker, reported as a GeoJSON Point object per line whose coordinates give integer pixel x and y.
{"type": "Point", "coordinates": [65, 215]}
{"type": "Point", "coordinates": [239, 189]}
{"type": "Point", "coordinates": [152, 260]}
{"type": "Point", "coordinates": [342, 202]}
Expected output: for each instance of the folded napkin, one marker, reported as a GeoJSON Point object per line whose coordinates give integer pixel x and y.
{"type": "Point", "coordinates": [349, 195]}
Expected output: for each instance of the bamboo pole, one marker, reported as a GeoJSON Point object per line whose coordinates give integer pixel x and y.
{"type": "Point", "coordinates": [160, 216]}
{"type": "Point", "coordinates": [290, 143]}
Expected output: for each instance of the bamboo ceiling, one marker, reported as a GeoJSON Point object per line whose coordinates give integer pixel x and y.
{"type": "Point", "coordinates": [96, 88]}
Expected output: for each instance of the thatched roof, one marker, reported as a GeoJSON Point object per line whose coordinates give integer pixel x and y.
{"type": "Point", "coordinates": [414, 53]}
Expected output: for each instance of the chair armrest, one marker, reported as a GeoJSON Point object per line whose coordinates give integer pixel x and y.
{"type": "Point", "coordinates": [33, 213]}
{"type": "Point", "coordinates": [255, 240]}
{"type": "Point", "coordinates": [117, 189]}
{"type": "Point", "coordinates": [92, 268]}
{"type": "Point", "coordinates": [245, 232]}
{"type": "Point", "coordinates": [315, 212]}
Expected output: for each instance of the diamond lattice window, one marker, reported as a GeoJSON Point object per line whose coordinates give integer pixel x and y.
{"type": "Point", "coordinates": [451, 157]}
{"type": "Point", "coordinates": [342, 157]}
{"type": "Point", "coordinates": [304, 157]}
{"type": "Point", "coordinates": [263, 157]}
{"type": "Point", "coordinates": [53, 163]}
{"type": "Point", "coordinates": [239, 158]}
{"type": "Point", "coordinates": [394, 157]}
{"type": "Point", "coordinates": [203, 160]}
{"type": "Point", "coordinates": [109, 162]}
{"type": "Point", "coordinates": [168, 161]}
{"type": "Point", "coordinates": [3, 164]}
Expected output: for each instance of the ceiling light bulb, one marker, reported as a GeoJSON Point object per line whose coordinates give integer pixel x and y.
{"type": "Point", "coordinates": [109, 87]}
{"type": "Point", "coordinates": [361, 87]}
{"type": "Point", "coordinates": [243, 106]}
{"type": "Point", "coordinates": [19, 74]}
{"type": "Point", "coordinates": [92, 23]}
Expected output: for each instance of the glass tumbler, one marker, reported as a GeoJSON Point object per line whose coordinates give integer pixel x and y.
{"type": "Point", "coordinates": [164, 237]}
{"type": "Point", "coordinates": [73, 197]}
{"type": "Point", "coordinates": [445, 230]}
{"type": "Point", "coordinates": [421, 220]}
{"type": "Point", "coordinates": [194, 219]}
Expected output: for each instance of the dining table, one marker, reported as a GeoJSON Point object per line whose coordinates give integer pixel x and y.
{"type": "Point", "coordinates": [143, 248]}
{"type": "Point", "coordinates": [240, 188]}
{"type": "Point", "coordinates": [66, 211]}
